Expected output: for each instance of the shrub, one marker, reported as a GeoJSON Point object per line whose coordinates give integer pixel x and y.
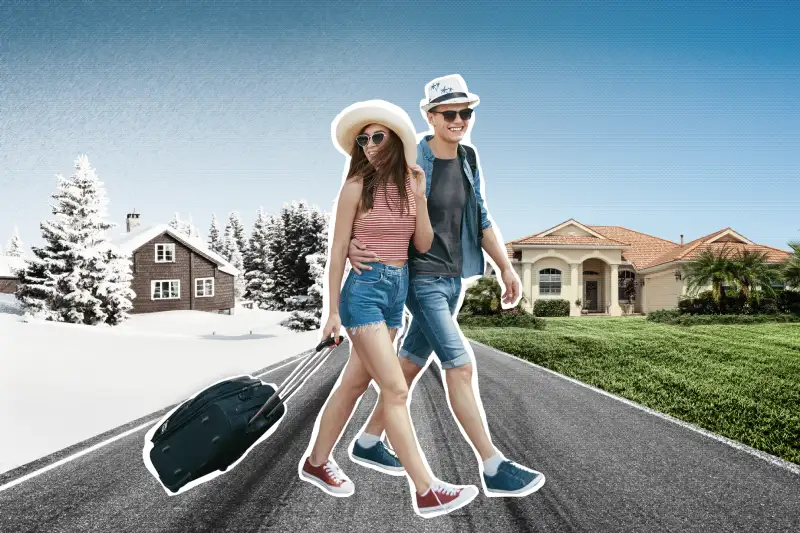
{"type": "Point", "coordinates": [551, 308]}
{"type": "Point", "coordinates": [758, 303]}
{"type": "Point", "coordinates": [664, 315]}
{"type": "Point", "coordinates": [702, 304]}
{"type": "Point", "coordinates": [505, 320]}
{"type": "Point", "coordinates": [669, 316]}
{"type": "Point", "coordinates": [788, 302]}
{"type": "Point", "coordinates": [483, 298]}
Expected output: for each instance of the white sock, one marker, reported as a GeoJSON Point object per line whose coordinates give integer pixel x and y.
{"type": "Point", "coordinates": [368, 441]}
{"type": "Point", "coordinates": [490, 465]}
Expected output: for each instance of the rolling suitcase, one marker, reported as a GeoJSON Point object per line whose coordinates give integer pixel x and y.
{"type": "Point", "coordinates": [219, 425]}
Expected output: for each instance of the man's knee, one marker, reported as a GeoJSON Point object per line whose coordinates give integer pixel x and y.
{"type": "Point", "coordinates": [410, 370]}
{"type": "Point", "coordinates": [460, 375]}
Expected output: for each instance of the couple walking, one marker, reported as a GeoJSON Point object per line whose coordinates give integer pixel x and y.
{"type": "Point", "coordinates": [411, 219]}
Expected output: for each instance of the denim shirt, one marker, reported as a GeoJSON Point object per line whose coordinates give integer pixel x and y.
{"type": "Point", "coordinates": [475, 217]}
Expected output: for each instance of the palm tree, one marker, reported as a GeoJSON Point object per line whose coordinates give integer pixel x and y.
{"type": "Point", "coordinates": [750, 270]}
{"type": "Point", "coordinates": [707, 269]}
{"type": "Point", "coordinates": [791, 268]}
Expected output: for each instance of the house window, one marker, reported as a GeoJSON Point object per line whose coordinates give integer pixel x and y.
{"type": "Point", "coordinates": [204, 287]}
{"type": "Point", "coordinates": [518, 255]}
{"type": "Point", "coordinates": [165, 253]}
{"type": "Point", "coordinates": [626, 289]}
{"type": "Point", "coordinates": [591, 273]}
{"type": "Point", "coordinates": [549, 281]}
{"type": "Point", "coordinates": [165, 289]}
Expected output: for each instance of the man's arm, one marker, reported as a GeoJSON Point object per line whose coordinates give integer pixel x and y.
{"type": "Point", "coordinates": [476, 183]}
{"type": "Point", "coordinates": [496, 250]}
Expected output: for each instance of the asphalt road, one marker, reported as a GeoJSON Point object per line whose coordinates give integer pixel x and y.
{"type": "Point", "coordinates": [610, 468]}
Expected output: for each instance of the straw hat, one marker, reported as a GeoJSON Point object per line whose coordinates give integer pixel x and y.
{"type": "Point", "coordinates": [349, 123]}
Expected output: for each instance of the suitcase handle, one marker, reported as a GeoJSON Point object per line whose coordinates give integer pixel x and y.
{"type": "Point", "coordinates": [298, 370]}
{"type": "Point", "coordinates": [330, 341]}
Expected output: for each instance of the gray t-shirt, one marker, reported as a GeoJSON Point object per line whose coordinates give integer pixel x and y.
{"type": "Point", "coordinates": [446, 201]}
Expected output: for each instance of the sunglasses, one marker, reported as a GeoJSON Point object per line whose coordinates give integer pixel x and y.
{"type": "Point", "coordinates": [377, 138]}
{"type": "Point", "coordinates": [450, 116]}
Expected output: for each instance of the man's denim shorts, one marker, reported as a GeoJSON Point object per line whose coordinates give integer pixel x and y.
{"type": "Point", "coordinates": [433, 303]}
{"type": "Point", "coordinates": [374, 296]}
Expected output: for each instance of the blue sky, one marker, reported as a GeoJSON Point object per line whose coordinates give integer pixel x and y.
{"type": "Point", "coordinates": [668, 118]}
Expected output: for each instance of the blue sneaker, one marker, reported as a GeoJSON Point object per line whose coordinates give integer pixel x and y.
{"type": "Point", "coordinates": [377, 457]}
{"type": "Point", "coordinates": [512, 479]}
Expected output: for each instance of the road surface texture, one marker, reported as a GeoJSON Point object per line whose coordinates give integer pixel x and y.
{"type": "Point", "coordinates": [610, 468]}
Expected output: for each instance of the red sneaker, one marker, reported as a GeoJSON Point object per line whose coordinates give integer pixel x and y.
{"type": "Point", "coordinates": [329, 477]}
{"type": "Point", "coordinates": [442, 498]}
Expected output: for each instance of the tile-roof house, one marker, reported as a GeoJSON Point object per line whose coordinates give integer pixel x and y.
{"type": "Point", "coordinates": [172, 271]}
{"type": "Point", "coordinates": [8, 273]}
{"type": "Point", "coordinates": [576, 261]}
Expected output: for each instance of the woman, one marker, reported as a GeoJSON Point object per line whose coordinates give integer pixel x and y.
{"type": "Point", "coordinates": [383, 204]}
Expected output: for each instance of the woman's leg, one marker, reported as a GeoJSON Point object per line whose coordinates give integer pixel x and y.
{"type": "Point", "coordinates": [340, 407]}
{"type": "Point", "coordinates": [376, 350]}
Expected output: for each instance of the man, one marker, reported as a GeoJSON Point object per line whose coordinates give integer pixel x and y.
{"type": "Point", "coordinates": [462, 230]}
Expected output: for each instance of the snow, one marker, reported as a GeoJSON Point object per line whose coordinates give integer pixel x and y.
{"type": "Point", "coordinates": [129, 242]}
{"type": "Point", "coordinates": [65, 383]}
{"type": "Point", "coordinates": [8, 264]}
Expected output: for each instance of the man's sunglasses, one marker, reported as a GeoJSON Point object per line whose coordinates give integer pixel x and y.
{"type": "Point", "coordinates": [450, 116]}
{"type": "Point", "coordinates": [377, 138]}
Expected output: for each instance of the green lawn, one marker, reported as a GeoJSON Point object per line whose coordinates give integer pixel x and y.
{"type": "Point", "coordinates": [740, 381]}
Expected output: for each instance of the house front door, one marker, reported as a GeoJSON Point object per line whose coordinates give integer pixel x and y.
{"type": "Point", "coordinates": [590, 296]}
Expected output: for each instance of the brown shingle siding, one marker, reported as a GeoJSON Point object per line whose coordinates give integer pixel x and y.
{"type": "Point", "coordinates": [8, 285]}
{"type": "Point", "coordinates": [188, 266]}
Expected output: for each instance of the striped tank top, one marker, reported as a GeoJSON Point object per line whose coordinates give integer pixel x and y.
{"type": "Point", "coordinates": [387, 232]}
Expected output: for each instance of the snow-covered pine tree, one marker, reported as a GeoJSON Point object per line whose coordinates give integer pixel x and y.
{"type": "Point", "coordinates": [61, 282]}
{"type": "Point", "coordinates": [274, 237]}
{"type": "Point", "coordinates": [233, 255]}
{"type": "Point", "coordinates": [303, 233]}
{"type": "Point", "coordinates": [37, 287]}
{"type": "Point", "coordinates": [115, 290]}
{"type": "Point", "coordinates": [238, 232]}
{"type": "Point", "coordinates": [239, 283]}
{"type": "Point", "coordinates": [176, 223]}
{"type": "Point", "coordinates": [307, 310]}
{"type": "Point", "coordinates": [227, 239]}
{"type": "Point", "coordinates": [190, 229]}
{"type": "Point", "coordinates": [214, 239]}
{"type": "Point", "coordinates": [255, 258]}
{"type": "Point", "coordinates": [15, 248]}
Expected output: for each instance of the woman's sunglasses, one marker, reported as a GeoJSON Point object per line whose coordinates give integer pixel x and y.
{"type": "Point", "coordinates": [377, 138]}
{"type": "Point", "coordinates": [450, 116]}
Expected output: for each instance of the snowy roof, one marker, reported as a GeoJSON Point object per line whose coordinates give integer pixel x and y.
{"type": "Point", "coordinates": [130, 242]}
{"type": "Point", "coordinates": [9, 264]}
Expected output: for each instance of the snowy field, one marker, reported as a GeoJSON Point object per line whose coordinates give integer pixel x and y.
{"type": "Point", "coordinates": [64, 383]}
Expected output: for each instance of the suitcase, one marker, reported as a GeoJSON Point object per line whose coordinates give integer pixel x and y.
{"type": "Point", "coordinates": [213, 430]}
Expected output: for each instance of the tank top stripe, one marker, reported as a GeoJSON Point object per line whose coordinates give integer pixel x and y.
{"type": "Point", "coordinates": [385, 231]}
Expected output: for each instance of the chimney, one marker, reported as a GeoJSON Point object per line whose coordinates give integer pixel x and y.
{"type": "Point", "coordinates": [681, 239]}
{"type": "Point", "coordinates": [132, 221]}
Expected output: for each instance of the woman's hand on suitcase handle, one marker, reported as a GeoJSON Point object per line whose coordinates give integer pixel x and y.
{"type": "Point", "coordinates": [332, 326]}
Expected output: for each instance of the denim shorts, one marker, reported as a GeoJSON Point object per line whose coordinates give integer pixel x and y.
{"type": "Point", "coordinates": [374, 296]}
{"type": "Point", "coordinates": [433, 302]}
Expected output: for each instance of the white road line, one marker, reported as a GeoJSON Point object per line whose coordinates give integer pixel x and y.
{"type": "Point", "coordinates": [278, 367]}
{"type": "Point", "coordinates": [777, 461]}
{"type": "Point", "coordinates": [99, 445]}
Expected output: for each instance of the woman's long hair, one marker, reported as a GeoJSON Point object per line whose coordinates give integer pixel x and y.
{"type": "Point", "coordinates": [389, 167]}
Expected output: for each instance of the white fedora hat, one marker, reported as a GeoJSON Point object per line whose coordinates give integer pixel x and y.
{"type": "Point", "coordinates": [450, 89]}
{"type": "Point", "coordinates": [349, 123]}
